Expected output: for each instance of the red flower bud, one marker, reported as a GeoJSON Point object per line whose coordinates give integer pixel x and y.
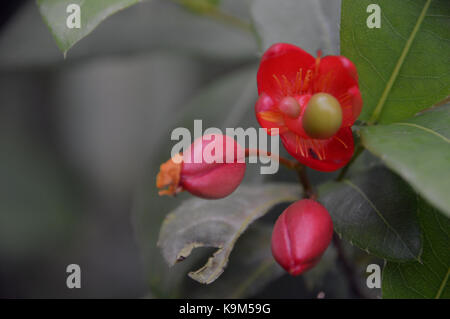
{"type": "Point", "coordinates": [301, 235]}
{"type": "Point", "coordinates": [212, 167]}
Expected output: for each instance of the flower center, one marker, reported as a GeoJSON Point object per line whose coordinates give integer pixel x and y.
{"type": "Point", "coordinates": [289, 107]}
{"type": "Point", "coordinates": [322, 117]}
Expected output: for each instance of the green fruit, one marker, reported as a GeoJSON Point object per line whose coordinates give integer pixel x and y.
{"type": "Point", "coordinates": [322, 117]}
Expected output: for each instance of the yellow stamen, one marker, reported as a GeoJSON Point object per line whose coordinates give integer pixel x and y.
{"type": "Point", "coordinates": [287, 85]}
{"type": "Point", "coordinates": [307, 81]}
{"type": "Point", "coordinates": [271, 116]}
{"type": "Point", "coordinates": [279, 84]}
{"type": "Point", "coordinates": [345, 98]}
{"type": "Point", "coordinates": [319, 54]}
{"type": "Point", "coordinates": [298, 81]}
{"type": "Point", "coordinates": [345, 145]}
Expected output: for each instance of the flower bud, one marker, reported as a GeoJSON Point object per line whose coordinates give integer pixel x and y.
{"type": "Point", "coordinates": [301, 235]}
{"type": "Point", "coordinates": [212, 167]}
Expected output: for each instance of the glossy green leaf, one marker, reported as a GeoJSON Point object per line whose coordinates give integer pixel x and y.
{"type": "Point", "coordinates": [418, 149]}
{"type": "Point", "coordinates": [430, 278]}
{"type": "Point", "coordinates": [375, 211]}
{"type": "Point", "coordinates": [403, 65]}
{"type": "Point", "coordinates": [219, 223]}
{"type": "Point", "coordinates": [92, 13]}
{"type": "Point", "coordinates": [310, 24]}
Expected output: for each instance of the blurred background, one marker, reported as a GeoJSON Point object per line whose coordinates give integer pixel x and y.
{"type": "Point", "coordinates": [81, 141]}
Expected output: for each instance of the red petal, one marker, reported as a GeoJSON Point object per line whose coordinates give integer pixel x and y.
{"type": "Point", "coordinates": [346, 63]}
{"type": "Point", "coordinates": [355, 107]}
{"type": "Point", "coordinates": [322, 155]}
{"type": "Point", "coordinates": [281, 60]}
{"type": "Point", "coordinates": [268, 115]}
{"type": "Point", "coordinates": [338, 77]}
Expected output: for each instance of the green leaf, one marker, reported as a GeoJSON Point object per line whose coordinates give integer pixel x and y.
{"type": "Point", "coordinates": [418, 149]}
{"type": "Point", "coordinates": [148, 28]}
{"type": "Point", "coordinates": [205, 223]}
{"type": "Point", "coordinates": [430, 278]}
{"type": "Point", "coordinates": [403, 66]}
{"type": "Point", "coordinates": [250, 269]}
{"type": "Point", "coordinates": [310, 24]}
{"type": "Point", "coordinates": [375, 211]}
{"type": "Point", "coordinates": [92, 13]}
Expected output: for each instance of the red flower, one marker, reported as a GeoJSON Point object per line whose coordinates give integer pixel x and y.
{"type": "Point", "coordinates": [301, 235]}
{"type": "Point", "coordinates": [288, 78]}
{"type": "Point", "coordinates": [212, 167]}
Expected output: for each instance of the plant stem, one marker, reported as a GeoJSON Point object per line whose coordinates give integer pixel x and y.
{"type": "Point", "coordinates": [308, 190]}
{"type": "Point", "coordinates": [347, 266]}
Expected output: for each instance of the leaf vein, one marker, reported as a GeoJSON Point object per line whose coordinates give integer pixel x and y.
{"type": "Point", "coordinates": [376, 113]}
{"type": "Point", "coordinates": [380, 215]}
{"type": "Point", "coordinates": [424, 129]}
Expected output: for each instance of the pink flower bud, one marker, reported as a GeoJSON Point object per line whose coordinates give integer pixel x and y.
{"type": "Point", "coordinates": [212, 167]}
{"type": "Point", "coordinates": [301, 235]}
